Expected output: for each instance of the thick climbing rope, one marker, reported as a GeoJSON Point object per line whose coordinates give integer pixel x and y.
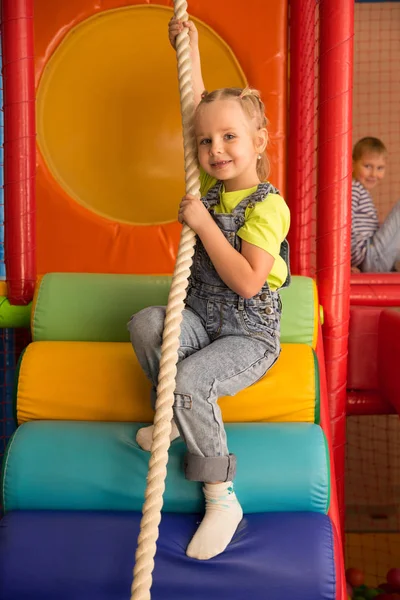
{"type": "Point", "coordinates": [146, 550]}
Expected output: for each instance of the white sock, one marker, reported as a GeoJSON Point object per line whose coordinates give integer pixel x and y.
{"type": "Point", "coordinates": [223, 515]}
{"type": "Point", "coordinates": [144, 436]}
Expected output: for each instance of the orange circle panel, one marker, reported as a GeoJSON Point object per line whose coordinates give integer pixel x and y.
{"type": "Point", "coordinates": [108, 120]}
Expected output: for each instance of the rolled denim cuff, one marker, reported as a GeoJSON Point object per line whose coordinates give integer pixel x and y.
{"type": "Point", "coordinates": [210, 469]}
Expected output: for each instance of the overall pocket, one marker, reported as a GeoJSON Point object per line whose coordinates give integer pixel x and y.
{"type": "Point", "coordinates": [261, 317]}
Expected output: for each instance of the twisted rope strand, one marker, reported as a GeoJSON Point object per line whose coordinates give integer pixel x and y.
{"type": "Point", "coordinates": [146, 550]}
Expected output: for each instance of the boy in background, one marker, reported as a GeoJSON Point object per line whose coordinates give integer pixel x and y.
{"type": "Point", "coordinates": [374, 248]}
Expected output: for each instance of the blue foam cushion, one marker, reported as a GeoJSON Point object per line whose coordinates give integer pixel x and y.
{"type": "Point", "coordinates": [69, 465]}
{"type": "Point", "coordinates": [89, 556]}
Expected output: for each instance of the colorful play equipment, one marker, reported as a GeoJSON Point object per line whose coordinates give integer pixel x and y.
{"type": "Point", "coordinates": [80, 401]}
{"type": "Point", "coordinates": [373, 384]}
{"type": "Point", "coordinates": [92, 238]}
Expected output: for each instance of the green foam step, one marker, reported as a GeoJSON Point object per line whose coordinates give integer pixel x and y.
{"type": "Point", "coordinates": [96, 307]}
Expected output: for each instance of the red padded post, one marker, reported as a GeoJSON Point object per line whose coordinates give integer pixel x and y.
{"type": "Point", "coordinates": [302, 125]}
{"type": "Point", "coordinates": [19, 149]}
{"type": "Point", "coordinates": [334, 208]}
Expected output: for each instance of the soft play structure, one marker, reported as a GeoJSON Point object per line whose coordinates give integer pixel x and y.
{"type": "Point", "coordinates": [74, 476]}
{"type": "Point", "coordinates": [373, 382]}
{"type": "Point", "coordinates": [93, 176]}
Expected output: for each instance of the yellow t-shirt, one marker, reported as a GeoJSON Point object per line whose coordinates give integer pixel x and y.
{"type": "Point", "coordinates": [266, 225]}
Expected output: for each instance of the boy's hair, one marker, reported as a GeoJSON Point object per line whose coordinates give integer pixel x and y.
{"type": "Point", "coordinates": [253, 107]}
{"type": "Point", "coordinates": [368, 144]}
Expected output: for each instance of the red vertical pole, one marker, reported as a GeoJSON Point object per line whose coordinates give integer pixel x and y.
{"type": "Point", "coordinates": [301, 144]}
{"type": "Point", "coordinates": [19, 148]}
{"type": "Point", "coordinates": [334, 208]}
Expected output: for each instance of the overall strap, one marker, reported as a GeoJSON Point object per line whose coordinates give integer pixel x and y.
{"type": "Point", "coordinates": [213, 195]}
{"type": "Point", "coordinates": [259, 195]}
{"type": "Point", "coordinates": [262, 191]}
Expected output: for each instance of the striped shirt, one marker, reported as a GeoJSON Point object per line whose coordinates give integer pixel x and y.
{"type": "Point", "coordinates": [364, 224]}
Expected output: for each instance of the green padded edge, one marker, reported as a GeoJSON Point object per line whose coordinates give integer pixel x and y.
{"type": "Point", "coordinates": [298, 318]}
{"type": "Point", "coordinates": [97, 307]}
{"type": "Point", "coordinates": [14, 316]}
{"type": "Point", "coordinates": [93, 307]}
{"type": "Point", "coordinates": [317, 410]}
{"type": "Point", "coordinates": [3, 470]}
{"type": "Point", "coordinates": [328, 462]}
{"type": "Point", "coordinates": [15, 387]}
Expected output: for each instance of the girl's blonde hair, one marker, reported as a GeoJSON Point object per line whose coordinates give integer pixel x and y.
{"type": "Point", "coordinates": [253, 107]}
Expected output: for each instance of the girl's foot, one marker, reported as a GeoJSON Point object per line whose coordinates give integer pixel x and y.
{"type": "Point", "coordinates": [223, 515]}
{"type": "Point", "coordinates": [144, 436]}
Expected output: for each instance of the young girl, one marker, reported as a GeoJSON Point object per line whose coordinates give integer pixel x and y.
{"type": "Point", "coordinates": [231, 323]}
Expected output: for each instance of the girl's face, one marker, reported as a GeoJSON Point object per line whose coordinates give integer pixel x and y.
{"type": "Point", "coordinates": [228, 144]}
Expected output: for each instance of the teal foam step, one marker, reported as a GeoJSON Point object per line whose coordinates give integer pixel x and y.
{"type": "Point", "coordinates": [66, 465]}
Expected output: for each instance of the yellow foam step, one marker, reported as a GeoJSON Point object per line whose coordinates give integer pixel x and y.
{"type": "Point", "coordinates": [102, 381]}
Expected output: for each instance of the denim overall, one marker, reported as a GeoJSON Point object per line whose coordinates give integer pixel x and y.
{"type": "Point", "coordinates": [227, 343]}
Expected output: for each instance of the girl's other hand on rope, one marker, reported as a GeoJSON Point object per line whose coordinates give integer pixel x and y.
{"type": "Point", "coordinates": [175, 27]}
{"type": "Point", "coordinates": [193, 212]}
